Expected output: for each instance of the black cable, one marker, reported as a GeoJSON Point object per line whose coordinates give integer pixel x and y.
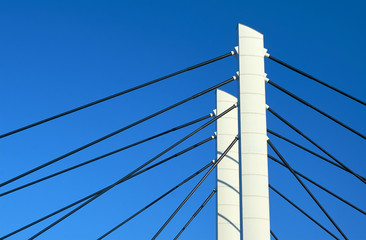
{"type": "Point", "coordinates": [155, 201]}
{"type": "Point", "coordinates": [195, 188]}
{"type": "Point", "coordinates": [319, 186]}
{"type": "Point", "coordinates": [45, 217]}
{"type": "Point", "coordinates": [196, 213]}
{"type": "Point", "coordinates": [303, 212]}
{"type": "Point", "coordinates": [175, 155]}
{"type": "Point", "coordinates": [118, 131]}
{"type": "Point", "coordinates": [315, 108]}
{"type": "Point", "coordinates": [274, 236]}
{"type": "Point", "coordinates": [116, 95]}
{"type": "Point", "coordinates": [99, 191]}
{"type": "Point", "coordinates": [131, 173]}
{"type": "Point", "coordinates": [305, 149]}
{"type": "Point", "coordinates": [309, 151]}
{"type": "Point", "coordinates": [315, 79]}
{"type": "Point", "coordinates": [314, 143]}
{"type": "Point", "coordinates": [306, 189]}
{"type": "Point", "coordinates": [105, 155]}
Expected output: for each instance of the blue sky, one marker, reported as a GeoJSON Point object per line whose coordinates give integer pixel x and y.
{"type": "Point", "coordinates": [56, 55]}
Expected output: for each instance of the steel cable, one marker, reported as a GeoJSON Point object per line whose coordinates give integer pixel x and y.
{"type": "Point", "coordinates": [155, 201]}
{"type": "Point", "coordinates": [99, 191]}
{"type": "Point", "coordinates": [195, 213]}
{"type": "Point", "coordinates": [196, 187]}
{"type": "Point", "coordinates": [104, 155]}
{"type": "Point", "coordinates": [313, 153]}
{"type": "Point", "coordinates": [303, 212]}
{"type": "Point", "coordinates": [306, 189]}
{"type": "Point", "coordinates": [274, 236]}
{"type": "Point", "coordinates": [315, 108]}
{"type": "Point", "coordinates": [314, 143]}
{"type": "Point", "coordinates": [131, 173]}
{"type": "Point", "coordinates": [315, 79]}
{"type": "Point", "coordinates": [116, 95]}
{"type": "Point", "coordinates": [319, 186]}
{"type": "Point", "coordinates": [117, 131]}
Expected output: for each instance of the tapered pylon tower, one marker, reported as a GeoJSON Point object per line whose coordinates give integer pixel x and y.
{"type": "Point", "coordinates": [242, 177]}
{"type": "Point", "coordinates": [253, 136]}
{"type": "Point", "coordinates": [228, 198]}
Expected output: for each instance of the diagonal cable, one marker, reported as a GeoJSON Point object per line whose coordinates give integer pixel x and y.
{"type": "Point", "coordinates": [155, 201]}
{"type": "Point", "coordinates": [195, 188]}
{"type": "Point", "coordinates": [45, 217]}
{"type": "Point", "coordinates": [306, 189]}
{"type": "Point", "coordinates": [309, 151]}
{"type": "Point", "coordinates": [99, 191]}
{"type": "Point", "coordinates": [118, 131]}
{"type": "Point", "coordinates": [315, 144]}
{"type": "Point", "coordinates": [303, 212]}
{"type": "Point", "coordinates": [116, 94]}
{"type": "Point", "coordinates": [319, 186]}
{"type": "Point", "coordinates": [131, 173]}
{"type": "Point", "coordinates": [315, 79]}
{"type": "Point", "coordinates": [316, 109]}
{"type": "Point", "coordinates": [195, 214]}
{"type": "Point", "coordinates": [273, 235]}
{"type": "Point", "coordinates": [105, 155]}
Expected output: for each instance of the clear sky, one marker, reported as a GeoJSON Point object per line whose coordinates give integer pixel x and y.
{"type": "Point", "coordinates": [56, 55]}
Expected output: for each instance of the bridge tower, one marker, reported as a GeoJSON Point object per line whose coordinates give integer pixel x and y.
{"type": "Point", "coordinates": [250, 125]}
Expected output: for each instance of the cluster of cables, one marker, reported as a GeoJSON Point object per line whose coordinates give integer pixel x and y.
{"type": "Point", "coordinates": [146, 166]}
{"type": "Point", "coordinates": [151, 163]}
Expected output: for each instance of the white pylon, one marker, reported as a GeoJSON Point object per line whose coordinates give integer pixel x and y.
{"type": "Point", "coordinates": [228, 198]}
{"type": "Point", "coordinates": [255, 224]}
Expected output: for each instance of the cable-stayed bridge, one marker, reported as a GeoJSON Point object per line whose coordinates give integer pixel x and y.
{"type": "Point", "coordinates": [250, 55]}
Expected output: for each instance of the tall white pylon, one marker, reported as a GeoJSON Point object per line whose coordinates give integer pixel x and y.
{"type": "Point", "coordinates": [254, 203]}
{"type": "Point", "coordinates": [228, 198]}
